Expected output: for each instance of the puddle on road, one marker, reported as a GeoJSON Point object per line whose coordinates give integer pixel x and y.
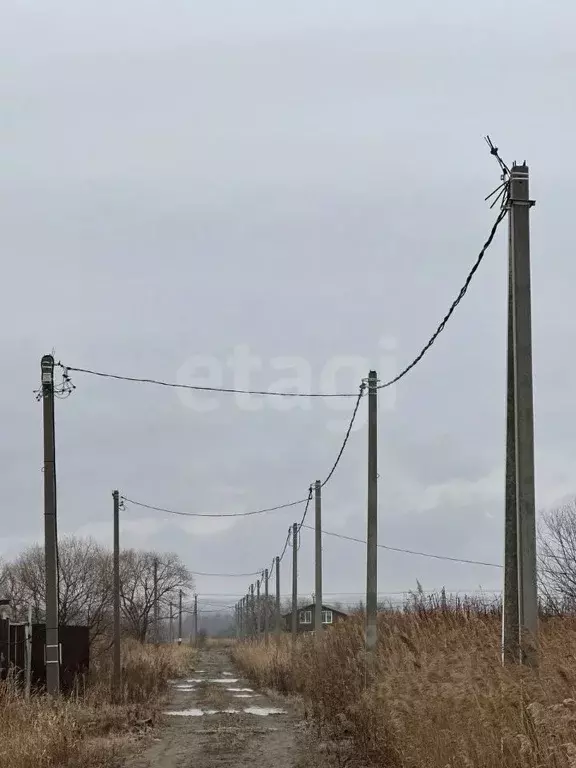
{"type": "Point", "coordinates": [240, 690]}
{"type": "Point", "coordinates": [228, 674]}
{"type": "Point", "coordinates": [225, 680]}
{"type": "Point", "coordinates": [244, 696]}
{"type": "Point", "coordinates": [185, 687]}
{"type": "Point", "coordinates": [199, 712]}
{"type": "Point", "coordinates": [263, 711]}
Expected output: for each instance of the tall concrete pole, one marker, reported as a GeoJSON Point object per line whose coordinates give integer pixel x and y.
{"type": "Point", "coordinates": [117, 661]}
{"type": "Point", "coordinates": [266, 606]}
{"type": "Point", "coordinates": [258, 609]}
{"type": "Point", "coordinates": [372, 528]}
{"type": "Point", "coordinates": [50, 529]}
{"type": "Point", "coordinates": [155, 598]}
{"type": "Point", "coordinates": [196, 620]}
{"type": "Point", "coordinates": [294, 583]}
{"type": "Point", "coordinates": [171, 627]}
{"type": "Point", "coordinates": [252, 612]}
{"type": "Point", "coordinates": [510, 606]}
{"type": "Point", "coordinates": [180, 595]}
{"type": "Point", "coordinates": [28, 670]}
{"type": "Point", "coordinates": [278, 618]}
{"type": "Point", "coordinates": [318, 559]}
{"type": "Point", "coordinates": [520, 204]}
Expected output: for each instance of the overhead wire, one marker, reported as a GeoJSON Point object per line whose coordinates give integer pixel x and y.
{"type": "Point", "coordinates": [346, 437]}
{"type": "Point", "coordinates": [227, 575]}
{"type": "Point", "coordinates": [200, 388]}
{"type": "Point", "coordinates": [126, 500]}
{"type": "Point", "coordinates": [453, 306]}
{"type": "Point", "coordinates": [209, 514]}
{"type": "Point", "coordinates": [67, 369]}
{"type": "Point", "coordinates": [409, 551]}
{"type": "Point", "coordinates": [503, 193]}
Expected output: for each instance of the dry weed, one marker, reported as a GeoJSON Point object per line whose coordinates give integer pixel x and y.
{"type": "Point", "coordinates": [440, 697]}
{"type": "Point", "coordinates": [84, 730]}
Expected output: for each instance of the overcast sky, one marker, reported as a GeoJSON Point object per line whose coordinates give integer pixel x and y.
{"type": "Point", "coordinates": [187, 182]}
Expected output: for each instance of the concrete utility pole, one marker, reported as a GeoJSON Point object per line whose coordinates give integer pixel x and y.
{"type": "Point", "coordinates": [510, 606]}
{"type": "Point", "coordinates": [520, 205]}
{"type": "Point", "coordinates": [117, 661]}
{"type": "Point", "coordinates": [266, 607]}
{"type": "Point", "coordinates": [372, 528]}
{"type": "Point", "coordinates": [50, 529]}
{"type": "Point", "coordinates": [258, 609]}
{"type": "Point", "coordinates": [318, 561]}
{"type": "Point", "coordinates": [195, 620]}
{"type": "Point", "coordinates": [252, 612]}
{"type": "Point", "coordinates": [180, 618]}
{"type": "Point", "coordinates": [28, 671]}
{"type": "Point", "coordinates": [294, 582]}
{"type": "Point", "coordinates": [171, 628]}
{"type": "Point", "coordinates": [278, 621]}
{"type": "Point", "coordinates": [156, 612]}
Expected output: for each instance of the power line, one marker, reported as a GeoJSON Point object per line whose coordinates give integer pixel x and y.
{"type": "Point", "coordinates": [362, 593]}
{"type": "Point", "coordinates": [457, 300]}
{"type": "Point", "coordinates": [409, 551]}
{"type": "Point", "coordinates": [206, 514]}
{"type": "Point", "coordinates": [281, 556]}
{"type": "Point", "coordinates": [197, 388]}
{"type": "Point", "coordinates": [348, 431]}
{"type": "Point", "coordinates": [228, 575]}
{"type": "Point", "coordinates": [301, 523]}
{"type": "Point", "coordinates": [274, 393]}
{"type": "Point", "coordinates": [154, 508]}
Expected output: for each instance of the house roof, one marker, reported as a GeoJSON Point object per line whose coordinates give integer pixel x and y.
{"type": "Point", "coordinates": [312, 606]}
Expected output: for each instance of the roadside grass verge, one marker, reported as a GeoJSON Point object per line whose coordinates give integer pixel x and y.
{"type": "Point", "coordinates": [439, 696]}
{"type": "Point", "coordinates": [86, 729]}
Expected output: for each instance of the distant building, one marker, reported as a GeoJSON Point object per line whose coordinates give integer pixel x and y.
{"type": "Point", "coordinates": [306, 618]}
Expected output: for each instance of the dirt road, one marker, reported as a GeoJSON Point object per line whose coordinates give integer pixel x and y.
{"type": "Point", "coordinates": [215, 720]}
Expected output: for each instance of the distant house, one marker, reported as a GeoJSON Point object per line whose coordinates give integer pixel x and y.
{"type": "Point", "coordinates": [306, 618]}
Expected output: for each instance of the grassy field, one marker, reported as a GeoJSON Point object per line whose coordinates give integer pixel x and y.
{"type": "Point", "coordinates": [86, 730]}
{"type": "Point", "coordinates": [440, 697]}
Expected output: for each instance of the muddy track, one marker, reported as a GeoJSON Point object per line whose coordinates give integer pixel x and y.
{"type": "Point", "coordinates": [220, 721]}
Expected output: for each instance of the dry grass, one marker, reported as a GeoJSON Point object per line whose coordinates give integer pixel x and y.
{"type": "Point", "coordinates": [440, 697]}
{"type": "Point", "coordinates": [86, 730]}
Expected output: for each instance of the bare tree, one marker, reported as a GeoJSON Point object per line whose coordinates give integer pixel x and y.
{"type": "Point", "coordinates": [137, 587]}
{"type": "Point", "coordinates": [85, 584]}
{"type": "Point", "coordinates": [557, 558]}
